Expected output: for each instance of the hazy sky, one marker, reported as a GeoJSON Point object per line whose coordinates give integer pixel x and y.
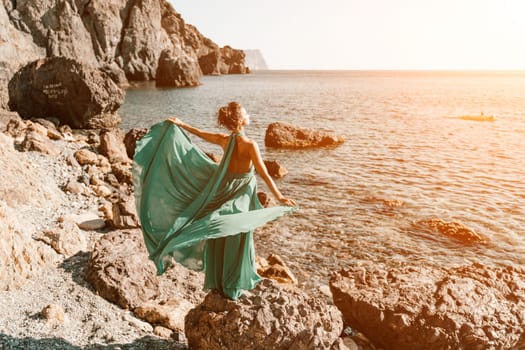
{"type": "Point", "coordinates": [368, 34]}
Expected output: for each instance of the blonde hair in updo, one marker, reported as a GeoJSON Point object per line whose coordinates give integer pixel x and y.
{"type": "Point", "coordinates": [230, 116]}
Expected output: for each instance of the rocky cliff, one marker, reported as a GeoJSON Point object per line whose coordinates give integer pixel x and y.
{"type": "Point", "coordinates": [126, 36]}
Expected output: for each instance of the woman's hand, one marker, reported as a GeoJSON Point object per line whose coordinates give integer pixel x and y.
{"type": "Point", "coordinates": [287, 201]}
{"type": "Point", "coordinates": [175, 121]}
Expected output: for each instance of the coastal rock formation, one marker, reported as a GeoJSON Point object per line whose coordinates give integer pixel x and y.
{"type": "Point", "coordinates": [120, 270]}
{"type": "Point", "coordinates": [452, 229]}
{"type": "Point", "coordinates": [274, 267]}
{"type": "Point", "coordinates": [177, 71]}
{"type": "Point", "coordinates": [124, 38]}
{"type": "Point", "coordinates": [255, 60]}
{"type": "Point", "coordinates": [285, 135]}
{"type": "Point", "coordinates": [75, 93]}
{"type": "Point", "coordinates": [267, 317]}
{"type": "Point", "coordinates": [275, 169]}
{"type": "Point", "coordinates": [423, 307]}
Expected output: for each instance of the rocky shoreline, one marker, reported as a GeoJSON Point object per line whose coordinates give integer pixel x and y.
{"type": "Point", "coordinates": [75, 272]}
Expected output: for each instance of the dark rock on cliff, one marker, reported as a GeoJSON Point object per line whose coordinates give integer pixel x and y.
{"type": "Point", "coordinates": [427, 308]}
{"type": "Point", "coordinates": [73, 92]}
{"type": "Point", "coordinates": [285, 135]}
{"type": "Point", "coordinates": [267, 317]}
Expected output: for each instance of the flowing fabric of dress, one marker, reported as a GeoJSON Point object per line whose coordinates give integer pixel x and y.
{"type": "Point", "coordinates": [194, 210]}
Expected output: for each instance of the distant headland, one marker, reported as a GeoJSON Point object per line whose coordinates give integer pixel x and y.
{"type": "Point", "coordinates": [255, 60]}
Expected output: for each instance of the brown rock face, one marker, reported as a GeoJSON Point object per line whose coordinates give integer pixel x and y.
{"type": "Point", "coordinates": [113, 147]}
{"type": "Point", "coordinates": [275, 169]}
{"type": "Point", "coordinates": [120, 270]}
{"type": "Point", "coordinates": [418, 307]}
{"type": "Point", "coordinates": [274, 267]}
{"type": "Point", "coordinates": [73, 92]}
{"type": "Point", "coordinates": [124, 38]}
{"type": "Point", "coordinates": [175, 71]}
{"type": "Point", "coordinates": [267, 317]}
{"type": "Point", "coordinates": [285, 135]}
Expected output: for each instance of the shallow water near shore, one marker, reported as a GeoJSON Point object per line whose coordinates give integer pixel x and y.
{"type": "Point", "coordinates": [410, 155]}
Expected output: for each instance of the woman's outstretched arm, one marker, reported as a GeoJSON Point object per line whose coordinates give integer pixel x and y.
{"type": "Point", "coordinates": [255, 155]}
{"type": "Point", "coordinates": [216, 138]}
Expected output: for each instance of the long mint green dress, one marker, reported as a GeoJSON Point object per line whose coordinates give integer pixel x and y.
{"type": "Point", "coordinates": [194, 210]}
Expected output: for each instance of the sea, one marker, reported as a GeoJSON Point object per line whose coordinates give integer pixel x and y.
{"type": "Point", "coordinates": [419, 145]}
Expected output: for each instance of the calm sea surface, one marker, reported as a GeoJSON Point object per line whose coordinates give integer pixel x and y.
{"type": "Point", "coordinates": [404, 142]}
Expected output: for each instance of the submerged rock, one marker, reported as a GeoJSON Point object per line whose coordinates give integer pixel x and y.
{"type": "Point", "coordinates": [452, 229]}
{"type": "Point", "coordinates": [73, 92]}
{"type": "Point", "coordinates": [267, 317]}
{"type": "Point", "coordinates": [424, 307]}
{"type": "Point", "coordinates": [285, 135]}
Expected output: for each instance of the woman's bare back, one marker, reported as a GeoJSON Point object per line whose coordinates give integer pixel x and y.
{"type": "Point", "coordinates": [241, 161]}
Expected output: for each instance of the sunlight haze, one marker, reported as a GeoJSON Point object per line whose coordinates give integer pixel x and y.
{"type": "Point", "coordinates": [376, 34]}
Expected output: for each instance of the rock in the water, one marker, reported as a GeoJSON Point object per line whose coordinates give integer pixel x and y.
{"type": "Point", "coordinates": [423, 307]}
{"type": "Point", "coordinates": [75, 93]}
{"type": "Point", "coordinates": [275, 169]}
{"type": "Point", "coordinates": [285, 135]}
{"type": "Point", "coordinates": [275, 268]}
{"type": "Point", "coordinates": [131, 138]}
{"type": "Point", "coordinates": [177, 71]}
{"type": "Point", "coordinates": [452, 229]}
{"type": "Point", "coordinates": [267, 317]}
{"type": "Point", "coordinates": [120, 271]}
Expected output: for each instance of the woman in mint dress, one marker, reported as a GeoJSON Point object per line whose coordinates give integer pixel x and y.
{"type": "Point", "coordinates": [201, 213]}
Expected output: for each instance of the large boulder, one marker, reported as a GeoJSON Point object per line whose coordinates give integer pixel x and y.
{"type": "Point", "coordinates": [175, 71]}
{"type": "Point", "coordinates": [422, 307]}
{"type": "Point", "coordinates": [267, 317]}
{"type": "Point", "coordinates": [77, 94]}
{"type": "Point", "coordinates": [120, 271]}
{"type": "Point", "coordinates": [285, 135]}
{"type": "Point", "coordinates": [112, 146]}
{"type": "Point", "coordinates": [232, 61]}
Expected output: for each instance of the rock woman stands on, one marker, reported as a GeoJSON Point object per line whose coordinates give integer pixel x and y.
{"type": "Point", "coordinates": [201, 213]}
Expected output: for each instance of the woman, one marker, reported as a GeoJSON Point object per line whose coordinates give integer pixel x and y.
{"type": "Point", "coordinates": [200, 213]}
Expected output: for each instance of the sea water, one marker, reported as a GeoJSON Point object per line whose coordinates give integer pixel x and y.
{"type": "Point", "coordinates": [409, 156]}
